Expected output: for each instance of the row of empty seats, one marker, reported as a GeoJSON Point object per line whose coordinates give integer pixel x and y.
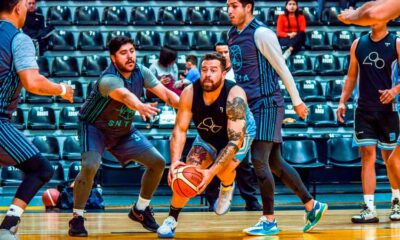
{"type": "Point", "coordinates": [118, 15]}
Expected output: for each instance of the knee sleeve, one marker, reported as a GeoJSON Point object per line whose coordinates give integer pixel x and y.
{"type": "Point", "coordinates": [38, 166]}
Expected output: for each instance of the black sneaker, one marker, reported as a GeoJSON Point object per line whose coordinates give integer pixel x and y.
{"type": "Point", "coordinates": [77, 227]}
{"type": "Point", "coordinates": [9, 227]}
{"type": "Point", "coordinates": [146, 218]}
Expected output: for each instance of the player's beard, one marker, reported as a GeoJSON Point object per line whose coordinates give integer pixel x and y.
{"type": "Point", "coordinates": [122, 67]}
{"type": "Point", "coordinates": [212, 87]}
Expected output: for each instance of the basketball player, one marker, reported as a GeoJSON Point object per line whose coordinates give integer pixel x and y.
{"type": "Point", "coordinates": [245, 177]}
{"type": "Point", "coordinates": [226, 128]}
{"type": "Point", "coordinates": [106, 123]}
{"type": "Point", "coordinates": [372, 12]}
{"type": "Point", "coordinates": [256, 58]}
{"type": "Point", "coordinates": [374, 66]}
{"type": "Point", "coordinates": [18, 68]}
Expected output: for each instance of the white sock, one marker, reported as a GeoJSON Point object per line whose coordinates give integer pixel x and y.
{"type": "Point", "coordinates": [79, 212]}
{"type": "Point", "coordinates": [14, 210]}
{"type": "Point", "coordinates": [369, 200]}
{"type": "Point", "coordinates": [395, 194]}
{"type": "Point", "coordinates": [142, 203]}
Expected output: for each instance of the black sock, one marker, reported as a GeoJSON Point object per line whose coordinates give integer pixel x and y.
{"type": "Point", "coordinates": [174, 212]}
{"type": "Point", "coordinates": [227, 186]}
{"type": "Point", "coordinates": [9, 222]}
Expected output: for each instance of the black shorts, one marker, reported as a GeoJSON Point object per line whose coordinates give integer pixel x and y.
{"type": "Point", "coordinates": [376, 128]}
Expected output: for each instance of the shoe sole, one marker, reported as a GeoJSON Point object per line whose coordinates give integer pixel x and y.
{"type": "Point", "coordinates": [321, 215]}
{"type": "Point", "coordinates": [171, 235]}
{"type": "Point", "coordinates": [376, 220]}
{"type": "Point", "coordinates": [262, 234]}
{"type": "Point", "coordinates": [71, 234]}
{"type": "Point", "coordinates": [144, 226]}
{"type": "Point", "coordinates": [225, 212]}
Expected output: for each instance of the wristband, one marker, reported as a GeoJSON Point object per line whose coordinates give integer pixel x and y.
{"type": "Point", "coordinates": [63, 89]}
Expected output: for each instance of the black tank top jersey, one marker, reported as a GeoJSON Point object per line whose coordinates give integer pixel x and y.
{"type": "Point", "coordinates": [211, 121]}
{"type": "Point", "coordinates": [378, 70]}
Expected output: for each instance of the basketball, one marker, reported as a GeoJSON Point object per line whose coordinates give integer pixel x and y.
{"type": "Point", "coordinates": [50, 197]}
{"type": "Point", "coordinates": [185, 181]}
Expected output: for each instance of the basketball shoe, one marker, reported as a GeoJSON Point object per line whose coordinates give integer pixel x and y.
{"type": "Point", "coordinates": [167, 229]}
{"type": "Point", "coordinates": [9, 228]}
{"type": "Point", "coordinates": [263, 227]}
{"type": "Point", "coordinates": [312, 217]}
{"type": "Point", "coordinates": [223, 203]}
{"type": "Point", "coordinates": [77, 227]}
{"type": "Point", "coordinates": [366, 215]}
{"type": "Point", "coordinates": [145, 217]}
{"type": "Point", "coordinates": [395, 213]}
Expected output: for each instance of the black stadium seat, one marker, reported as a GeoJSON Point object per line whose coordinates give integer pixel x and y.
{"type": "Point", "coordinates": [260, 15]}
{"type": "Point", "coordinates": [18, 119]}
{"type": "Point", "coordinates": [311, 16]}
{"type": "Point", "coordinates": [149, 59]}
{"type": "Point", "coordinates": [291, 120]}
{"type": "Point", "coordinates": [115, 16]}
{"type": "Point", "coordinates": [170, 16]}
{"type": "Point", "coordinates": [321, 116]}
{"type": "Point", "coordinates": [143, 16]}
{"type": "Point", "coordinates": [334, 90]}
{"type": "Point", "coordinates": [78, 92]}
{"type": "Point", "coordinates": [74, 170]}
{"type": "Point", "coordinates": [198, 16]}
{"type": "Point", "coordinates": [61, 41]}
{"type": "Point", "coordinates": [94, 65]}
{"type": "Point", "coordinates": [87, 15]}
{"type": "Point", "coordinates": [43, 64]}
{"type": "Point", "coordinates": [330, 16]}
{"type": "Point", "coordinates": [69, 118]}
{"type": "Point", "coordinates": [59, 15]}
{"type": "Point", "coordinates": [349, 117]}
{"type": "Point", "coordinates": [48, 147]}
{"type": "Point", "coordinates": [71, 149]}
{"type": "Point", "coordinates": [311, 91]}
{"type": "Point", "coordinates": [221, 17]}
{"type": "Point", "coordinates": [34, 99]}
{"type": "Point", "coordinates": [317, 40]}
{"type": "Point", "coordinates": [301, 65]}
{"type": "Point", "coordinates": [327, 64]}
{"type": "Point", "coordinates": [341, 153]}
{"type": "Point", "coordinates": [178, 40]}
{"type": "Point", "coordinates": [273, 14]}
{"type": "Point", "coordinates": [65, 67]}
{"type": "Point", "coordinates": [204, 40]}
{"type": "Point", "coordinates": [41, 118]}
{"type": "Point", "coordinates": [11, 176]}
{"type": "Point", "coordinates": [114, 34]}
{"type": "Point", "coordinates": [90, 41]}
{"type": "Point", "coordinates": [148, 40]}
{"type": "Point", "coordinates": [301, 154]}
{"type": "Point", "coordinates": [342, 40]}
{"type": "Point", "coordinates": [58, 176]}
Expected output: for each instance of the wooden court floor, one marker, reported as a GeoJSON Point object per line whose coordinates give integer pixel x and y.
{"type": "Point", "coordinates": [335, 225]}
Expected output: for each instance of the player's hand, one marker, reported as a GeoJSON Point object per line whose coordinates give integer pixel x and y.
{"type": "Point", "coordinates": [172, 168]}
{"type": "Point", "coordinates": [69, 94]}
{"type": "Point", "coordinates": [341, 112]}
{"type": "Point", "coordinates": [301, 110]}
{"type": "Point", "coordinates": [387, 95]}
{"type": "Point", "coordinates": [344, 16]}
{"type": "Point", "coordinates": [148, 110]}
{"type": "Point", "coordinates": [207, 177]}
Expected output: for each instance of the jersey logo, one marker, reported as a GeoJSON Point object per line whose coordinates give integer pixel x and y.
{"type": "Point", "coordinates": [373, 59]}
{"type": "Point", "coordinates": [208, 125]}
{"type": "Point", "coordinates": [221, 109]}
{"type": "Point", "coordinates": [236, 57]}
{"type": "Point", "coordinates": [387, 44]}
{"type": "Point", "coordinates": [125, 113]}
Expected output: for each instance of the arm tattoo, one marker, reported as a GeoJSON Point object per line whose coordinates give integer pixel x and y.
{"type": "Point", "coordinates": [236, 110]}
{"type": "Point", "coordinates": [227, 153]}
{"type": "Point", "coordinates": [196, 156]}
{"type": "Point", "coordinates": [233, 135]}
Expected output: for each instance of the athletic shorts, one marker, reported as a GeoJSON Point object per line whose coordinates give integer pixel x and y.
{"type": "Point", "coordinates": [376, 128]}
{"type": "Point", "coordinates": [269, 123]}
{"type": "Point", "coordinates": [125, 149]}
{"type": "Point", "coordinates": [15, 148]}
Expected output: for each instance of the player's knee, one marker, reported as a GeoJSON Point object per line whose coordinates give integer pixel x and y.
{"type": "Point", "coordinates": [46, 171]}
{"type": "Point", "coordinates": [90, 163]}
{"type": "Point", "coordinates": [155, 161]}
{"type": "Point", "coordinates": [368, 153]}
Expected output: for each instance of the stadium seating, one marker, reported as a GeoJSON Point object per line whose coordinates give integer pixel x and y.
{"type": "Point", "coordinates": [43, 64]}
{"type": "Point", "coordinates": [143, 16]}
{"type": "Point", "coordinates": [301, 65]}
{"type": "Point", "coordinates": [93, 65]}
{"type": "Point", "coordinates": [41, 118]}
{"type": "Point", "coordinates": [321, 116]}
{"type": "Point", "coordinates": [48, 146]}
{"type": "Point", "coordinates": [317, 40]}
{"type": "Point", "coordinates": [170, 16]}
{"type": "Point", "coordinates": [65, 67]}
{"type": "Point", "coordinates": [342, 40]}
{"type": "Point", "coordinates": [86, 15]}
{"type": "Point", "coordinates": [90, 41]}
{"type": "Point", "coordinates": [198, 16]}
{"type": "Point", "coordinates": [334, 90]}
{"type": "Point", "coordinates": [204, 40]}
{"type": "Point", "coordinates": [18, 119]}
{"type": "Point", "coordinates": [311, 91]}
{"type": "Point", "coordinates": [115, 16]}
{"type": "Point", "coordinates": [148, 40]}
{"type": "Point", "coordinates": [273, 14]}
{"type": "Point", "coordinates": [291, 120]}
{"type": "Point", "coordinates": [11, 176]}
{"type": "Point", "coordinates": [177, 39]}
{"type": "Point", "coordinates": [220, 16]}
{"type": "Point", "coordinates": [301, 154]}
{"type": "Point", "coordinates": [71, 149]}
{"type": "Point", "coordinates": [341, 153]}
{"type": "Point", "coordinates": [114, 34]}
{"type": "Point", "coordinates": [61, 41]}
{"type": "Point", "coordinates": [59, 15]}
{"type": "Point", "coordinates": [68, 119]}
{"type": "Point", "coordinates": [328, 64]}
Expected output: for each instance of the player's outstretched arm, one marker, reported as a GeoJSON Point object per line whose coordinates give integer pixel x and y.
{"type": "Point", "coordinates": [349, 83]}
{"type": "Point", "coordinates": [166, 95]}
{"type": "Point", "coordinates": [371, 13]}
{"type": "Point", "coordinates": [182, 122]}
{"type": "Point", "coordinates": [236, 128]}
{"type": "Point", "coordinates": [35, 83]}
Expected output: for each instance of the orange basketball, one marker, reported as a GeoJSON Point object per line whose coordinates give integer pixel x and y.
{"type": "Point", "coordinates": [185, 181]}
{"type": "Point", "coordinates": [50, 197]}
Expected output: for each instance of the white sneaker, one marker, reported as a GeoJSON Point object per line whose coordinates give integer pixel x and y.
{"type": "Point", "coordinates": [7, 235]}
{"type": "Point", "coordinates": [262, 228]}
{"type": "Point", "coordinates": [167, 229]}
{"type": "Point", "coordinates": [287, 54]}
{"type": "Point", "coordinates": [224, 201]}
{"type": "Point", "coordinates": [366, 216]}
{"type": "Point", "coordinates": [395, 214]}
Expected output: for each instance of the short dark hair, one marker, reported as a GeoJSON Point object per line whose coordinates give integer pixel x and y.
{"type": "Point", "coordinates": [245, 2]}
{"type": "Point", "coordinates": [192, 59]}
{"type": "Point", "coordinates": [8, 5]}
{"type": "Point", "coordinates": [115, 43]}
{"type": "Point", "coordinates": [215, 56]}
{"type": "Point", "coordinates": [167, 56]}
{"type": "Point", "coordinates": [220, 43]}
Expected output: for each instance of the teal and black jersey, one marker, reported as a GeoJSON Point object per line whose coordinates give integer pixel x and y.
{"type": "Point", "coordinates": [378, 70]}
{"type": "Point", "coordinates": [10, 84]}
{"type": "Point", "coordinates": [110, 115]}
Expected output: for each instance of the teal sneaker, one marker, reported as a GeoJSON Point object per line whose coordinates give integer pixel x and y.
{"type": "Point", "coordinates": [262, 228]}
{"type": "Point", "coordinates": [167, 229]}
{"type": "Point", "coordinates": [313, 217]}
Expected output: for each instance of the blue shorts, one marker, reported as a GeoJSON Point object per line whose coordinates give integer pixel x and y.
{"type": "Point", "coordinates": [269, 123]}
{"type": "Point", "coordinates": [125, 148]}
{"type": "Point", "coordinates": [15, 148]}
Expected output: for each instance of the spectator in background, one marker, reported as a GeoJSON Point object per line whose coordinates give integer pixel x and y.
{"type": "Point", "coordinates": [166, 70]}
{"type": "Point", "coordinates": [291, 27]}
{"type": "Point", "coordinates": [35, 27]}
{"type": "Point", "coordinates": [343, 4]}
{"type": "Point", "coordinates": [191, 74]}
